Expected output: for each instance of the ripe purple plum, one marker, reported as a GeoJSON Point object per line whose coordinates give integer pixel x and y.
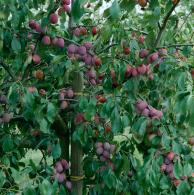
{"type": "Point", "coordinates": [59, 167]}
{"type": "Point", "coordinates": [53, 18]}
{"type": "Point", "coordinates": [99, 150]}
{"type": "Point", "coordinates": [60, 42]}
{"type": "Point", "coordinates": [46, 40]}
{"type": "Point", "coordinates": [143, 53]}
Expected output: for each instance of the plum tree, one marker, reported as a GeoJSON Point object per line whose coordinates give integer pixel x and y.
{"type": "Point", "coordinates": [103, 90]}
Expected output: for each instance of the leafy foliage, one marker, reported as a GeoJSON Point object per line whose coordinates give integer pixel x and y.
{"type": "Point", "coordinates": [109, 81]}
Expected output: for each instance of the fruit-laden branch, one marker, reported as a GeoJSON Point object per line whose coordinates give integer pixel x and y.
{"type": "Point", "coordinates": [164, 23]}
{"type": "Point", "coordinates": [6, 67]}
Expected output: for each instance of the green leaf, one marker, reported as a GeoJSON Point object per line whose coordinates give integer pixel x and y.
{"type": "Point", "coordinates": [190, 103]}
{"type": "Point", "coordinates": [45, 188]}
{"type": "Point", "coordinates": [176, 147]}
{"type": "Point", "coordinates": [109, 179]}
{"type": "Point", "coordinates": [13, 96]}
{"type": "Point", "coordinates": [51, 112]}
{"type": "Point", "coordinates": [2, 178]}
{"type": "Point", "coordinates": [8, 144]}
{"type": "Point", "coordinates": [115, 10]}
{"type": "Point", "coordinates": [127, 5]}
{"type": "Point", "coordinates": [30, 191]}
{"type": "Point", "coordinates": [177, 169]}
{"type": "Point", "coordinates": [16, 45]}
{"type": "Point", "coordinates": [191, 119]}
{"type": "Point", "coordinates": [182, 81]}
{"type": "Point", "coordinates": [62, 191]}
{"type": "Point", "coordinates": [32, 164]}
{"type": "Point", "coordinates": [28, 99]}
{"type": "Point", "coordinates": [134, 45]}
{"type": "Point", "coordinates": [116, 120]}
{"type": "Point", "coordinates": [43, 125]}
{"type": "Point", "coordinates": [56, 151]}
{"type": "Point", "coordinates": [125, 121]}
{"type": "Point", "coordinates": [153, 179]}
{"type": "Point", "coordinates": [140, 126]}
{"type": "Point", "coordinates": [90, 109]}
{"type": "Point", "coordinates": [190, 107]}
{"type": "Point", "coordinates": [126, 164]}
{"type": "Point", "coordinates": [164, 183]}
{"type": "Point", "coordinates": [77, 11]}
{"type": "Point", "coordinates": [166, 140]}
{"type": "Point", "coordinates": [183, 188]}
{"type": "Point", "coordinates": [83, 103]}
{"type": "Point", "coordinates": [187, 169]}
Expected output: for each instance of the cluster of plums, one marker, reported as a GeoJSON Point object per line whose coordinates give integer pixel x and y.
{"type": "Point", "coordinates": [101, 99]}
{"type": "Point", "coordinates": [153, 57]}
{"type": "Point", "coordinates": [65, 7]}
{"type": "Point", "coordinates": [80, 31]}
{"type": "Point", "coordinates": [33, 89]}
{"type": "Point", "coordinates": [136, 71]}
{"type": "Point", "coordinates": [69, 93]}
{"type": "Point", "coordinates": [144, 68]}
{"type": "Point", "coordinates": [167, 167]}
{"type": "Point", "coordinates": [46, 40]}
{"type": "Point", "coordinates": [60, 173]}
{"type": "Point", "coordinates": [36, 26]}
{"type": "Point", "coordinates": [92, 78]}
{"type": "Point", "coordinates": [104, 150]}
{"type": "Point", "coordinates": [82, 53]}
{"type": "Point", "coordinates": [146, 110]}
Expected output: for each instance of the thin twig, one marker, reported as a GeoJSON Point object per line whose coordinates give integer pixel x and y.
{"type": "Point", "coordinates": [107, 48]}
{"type": "Point", "coordinates": [186, 18]}
{"type": "Point", "coordinates": [191, 36]}
{"type": "Point", "coordinates": [136, 30]}
{"type": "Point", "coordinates": [164, 24]}
{"type": "Point", "coordinates": [177, 45]}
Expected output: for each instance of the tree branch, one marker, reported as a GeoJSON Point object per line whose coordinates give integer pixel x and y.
{"type": "Point", "coordinates": [164, 23]}
{"type": "Point", "coordinates": [177, 45]}
{"type": "Point", "coordinates": [106, 48]}
{"type": "Point", "coordinates": [29, 144]}
{"type": "Point", "coordinates": [136, 30]}
{"type": "Point", "coordinates": [6, 67]}
{"type": "Point", "coordinates": [159, 26]}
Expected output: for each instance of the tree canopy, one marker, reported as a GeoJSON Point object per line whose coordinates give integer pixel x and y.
{"type": "Point", "coordinates": [104, 89]}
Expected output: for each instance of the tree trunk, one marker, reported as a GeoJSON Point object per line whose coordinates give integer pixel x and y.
{"type": "Point", "coordinates": [76, 148]}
